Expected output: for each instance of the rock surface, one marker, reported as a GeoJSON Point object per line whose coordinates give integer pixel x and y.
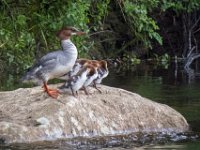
{"type": "Point", "coordinates": [28, 115]}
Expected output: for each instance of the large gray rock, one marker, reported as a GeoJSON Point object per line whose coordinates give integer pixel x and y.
{"type": "Point", "coordinates": [28, 115]}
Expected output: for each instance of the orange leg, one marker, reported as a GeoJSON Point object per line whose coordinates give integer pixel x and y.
{"type": "Point", "coordinates": [51, 92]}
{"type": "Point", "coordinates": [45, 88]}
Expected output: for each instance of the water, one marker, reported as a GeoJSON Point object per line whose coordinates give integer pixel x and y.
{"type": "Point", "coordinates": [164, 84]}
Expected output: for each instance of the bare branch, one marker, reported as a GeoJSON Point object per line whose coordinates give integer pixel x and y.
{"type": "Point", "coordinates": [121, 9]}
{"type": "Point", "coordinates": [190, 60]}
{"type": "Point", "coordinates": [190, 52]}
{"type": "Point", "coordinates": [101, 32]}
{"type": "Point", "coordinates": [196, 31]}
{"type": "Point", "coordinates": [110, 39]}
{"type": "Point", "coordinates": [195, 23]}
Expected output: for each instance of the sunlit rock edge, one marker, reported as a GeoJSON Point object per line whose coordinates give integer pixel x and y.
{"type": "Point", "coordinates": [29, 115]}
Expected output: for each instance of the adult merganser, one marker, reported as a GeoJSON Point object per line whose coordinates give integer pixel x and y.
{"type": "Point", "coordinates": [76, 82]}
{"type": "Point", "coordinates": [55, 64]}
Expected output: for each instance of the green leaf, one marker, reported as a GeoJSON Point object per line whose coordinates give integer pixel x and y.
{"type": "Point", "coordinates": [21, 20]}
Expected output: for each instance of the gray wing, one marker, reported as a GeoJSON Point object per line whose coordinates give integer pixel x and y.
{"type": "Point", "coordinates": [50, 56]}
{"type": "Point", "coordinates": [44, 65]}
{"type": "Point", "coordinates": [57, 57]}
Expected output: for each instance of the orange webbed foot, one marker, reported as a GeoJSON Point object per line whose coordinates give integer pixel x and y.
{"type": "Point", "coordinates": [53, 93]}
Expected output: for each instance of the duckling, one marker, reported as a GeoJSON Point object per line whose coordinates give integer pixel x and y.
{"type": "Point", "coordinates": [102, 73]}
{"type": "Point", "coordinates": [55, 64]}
{"type": "Point", "coordinates": [76, 82]}
{"type": "Point", "coordinates": [93, 74]}
{"type": "Point", "coordinates": [76, 68]}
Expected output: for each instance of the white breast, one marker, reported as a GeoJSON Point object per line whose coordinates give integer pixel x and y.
{"type": "Point", "coordinates": [75, 69]}
{"type": "Point", "coordinates": [100, 78]}
{"type": "Point", "coordinates": [90, 80]}
{"type": "Point", "coordinates": [59, 71]}
{"type": "Point", "coordinates": [79, 83]}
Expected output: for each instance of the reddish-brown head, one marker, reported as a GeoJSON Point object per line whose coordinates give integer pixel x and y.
{"type": "Point", "coordinates": [83, 61]}
{"type": "Point", "coordinates": [91, 69]}
{"type": "Point", "coordinates": [103, 64]}
{"type": "Point", "coordinates": [87, 67]}
{"type": "Point", "coordinates": [66, 32]}
{"type": "Point", "coordinates": [95, 63]}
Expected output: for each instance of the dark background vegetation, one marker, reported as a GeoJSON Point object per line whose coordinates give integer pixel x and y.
{"type": "Point", "coordinates": [125, 30]}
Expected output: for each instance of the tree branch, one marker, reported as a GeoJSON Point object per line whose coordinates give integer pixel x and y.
{"type": "Point", "coordinates": [190, 52]}
{"type": "Point", "coordinates": [190, 60]}
{"type": "Point", "coordinates": [195, 23]}
{"type": "Point", "coordinates": [99, 32]}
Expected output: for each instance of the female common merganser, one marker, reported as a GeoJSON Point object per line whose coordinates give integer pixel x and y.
{"type": "Point", "coordinates": [55, 64]}
{"type": "Point", "coordinates": [76, 82]}
{"type": "Point", "coordinates": [102, 73]}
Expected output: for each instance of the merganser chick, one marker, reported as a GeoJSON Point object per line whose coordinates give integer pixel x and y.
{"type": "Point", "coordinates": [93, 74]}
{"type": "Point", "coordinates": [55, 64]}
{"type": "Point", "coordinates": [76, 68]}
{"type": "Point", "coordinates": [102, 73]}
{"type": "Point", "coordinates": [76, 82]}
{"type": "Point", "coordinates": [80, 63]}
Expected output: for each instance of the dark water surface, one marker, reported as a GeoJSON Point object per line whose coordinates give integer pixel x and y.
{"type": "Point", "coordinates": [163, 85]}
{"type": "Point", "coordinates": [168, 85]}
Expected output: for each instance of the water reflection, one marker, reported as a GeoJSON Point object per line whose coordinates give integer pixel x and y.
{"type": "Point", "coordinates": [131, 141]}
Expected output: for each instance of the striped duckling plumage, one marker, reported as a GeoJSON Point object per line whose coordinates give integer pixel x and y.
{"type": "Point", "coordinates": [93, 74]}
{"type": "Point", "coordinates": [76, 68]}
{"type": "Point", "coordinates": [97, 72]}
{"type": "Point", "coordinates": [102, 71]}
{"type": "Point", "coordinates": [77, 81]}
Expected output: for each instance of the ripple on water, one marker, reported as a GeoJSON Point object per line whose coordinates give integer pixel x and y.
{"type": "Point", "coordinates": [130, 141]}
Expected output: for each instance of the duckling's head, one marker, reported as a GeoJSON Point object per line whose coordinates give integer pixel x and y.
{"type": "Point", "coordinates": [66, 32]}
{"type": "Point", "coordinates": [103, 64]}
{"type": "Point", "coordinates": [87, 69]}
{"type": "Point", "coordinates": [94, 63]}
{"type": "Point", "coordinates": [83, 61]}
{"type": "Point", "coordinates": [92, 69]}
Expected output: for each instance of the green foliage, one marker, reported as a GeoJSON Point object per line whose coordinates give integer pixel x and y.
{"type": "Point", "coordinates": [130, 59]}
{"type": "Point", "coordinates": [163, 58]}
{"type": "Point", "coordinates": [143, 27]}
{"type": "Point", "coordinates": [27, 28]}
{"type": "Point", "coordinates": [25, 24]}
{"type": "Point", "coordinates": [180, 6]}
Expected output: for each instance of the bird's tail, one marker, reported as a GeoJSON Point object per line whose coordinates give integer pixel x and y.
{"type": "Point", "coordinates": [29, 77]}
